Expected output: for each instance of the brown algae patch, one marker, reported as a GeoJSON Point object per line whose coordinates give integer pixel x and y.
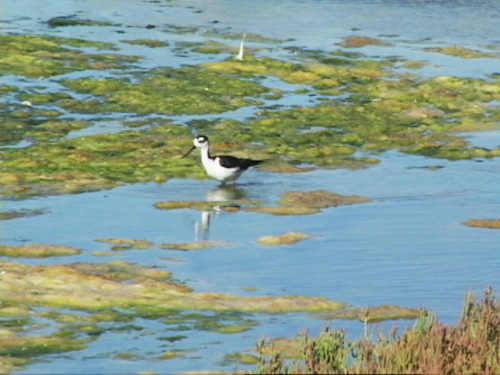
{"type": "Point", "coordinates": [37, 250]}
{"type": "Point", "coordinates": [319, 199]}
{"type": "Point", "coordinates": [9, 215]}
{"type": "Point", "coordinates": [287, 238]}
{"type": "Point", "coordinates": [483, 223]}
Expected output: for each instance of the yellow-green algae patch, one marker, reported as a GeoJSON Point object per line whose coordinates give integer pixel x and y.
{"type": "Point", "coordinates": [109, 285]}
{"type": "Point", "coordinates": [465, 53]}
{"type": "Point", "coordinates": [307, 203]}
{"type": "Point", "coordinates": [320, 76]}
{"type": "Point", "coordinates": [242, 358]}
{"type": "Point", "coordinates": [97, 162]}
{"type": "Point", "coordinates": [287, 238]}
{"type": "Point", "coordinates": [186, 90]}
{"type": "Point", "coordinates": [111, 295]}
{"type": "Point", "coordinates": [72, 20]}
{"type": "Point", "coordinates": [43, 56]}
{"type": "Point", "coordinates": [153, 43]}
{"type": "Point", "coordinates": [374, 313]}
{"type": "Point", "coordinates": [37, 250]}
{"type": "Point", "coordinates": [284, 210]}
{"type": "Point", "coordinates": [56, 129]}
{"type": "Point", "coordinates": [281, 166]}
{"type": "Point", "coordinates": [288, 347]}
{"type": "Point", "coordinates": [319, 199]}
{"type": "Point", "coordinates": [410, 115]}
{"type": "Point", "coordinates": [483, 223]}
{"type": "Point", "coordinates": [356, 41]}
{"type": "Point", "coordinates": [170, 354]}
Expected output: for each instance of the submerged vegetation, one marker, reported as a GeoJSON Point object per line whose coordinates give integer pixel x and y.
{"type": "Point", "coordinates": [429, 347]}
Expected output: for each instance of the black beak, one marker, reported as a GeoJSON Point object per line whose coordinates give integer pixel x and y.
{"type": "Point", "coordinates": [187, 153]}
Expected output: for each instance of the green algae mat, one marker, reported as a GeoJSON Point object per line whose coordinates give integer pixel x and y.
{"type": "Point", "coordinates": [364, 106]}
{"type": "Point", "coordinates": [361, 107]}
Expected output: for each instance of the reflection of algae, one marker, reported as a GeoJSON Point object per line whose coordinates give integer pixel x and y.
{"type": "Point", "coordinates": [483, 223]}
{"type": "Point", "coordinates": [232, 205]}
{"type": "Point", "coordinates": [195, 245]}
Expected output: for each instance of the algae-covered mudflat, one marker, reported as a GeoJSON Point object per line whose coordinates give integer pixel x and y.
{"type": "Point", "coordinates": [376, 197]}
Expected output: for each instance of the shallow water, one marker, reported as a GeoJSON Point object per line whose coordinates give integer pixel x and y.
{"type": "Point", "coordinates": [407, 247]}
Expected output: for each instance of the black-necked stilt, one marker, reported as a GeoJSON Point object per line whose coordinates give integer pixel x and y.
{"type": "Point", "coordinates": [222, 168]}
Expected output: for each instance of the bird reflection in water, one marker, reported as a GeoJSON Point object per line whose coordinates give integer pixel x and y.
{"type": "Point", "coordinates": [224, 194]}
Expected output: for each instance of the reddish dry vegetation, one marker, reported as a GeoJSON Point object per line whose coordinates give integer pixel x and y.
{"type": "Point", "coordinates": [429, 347]}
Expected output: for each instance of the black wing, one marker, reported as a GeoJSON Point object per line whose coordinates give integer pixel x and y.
{"type": "Point", "coordinates": [233, 162]}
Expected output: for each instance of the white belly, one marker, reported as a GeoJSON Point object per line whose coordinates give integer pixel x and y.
{"type": "Point", "coordinates": [222, 174]}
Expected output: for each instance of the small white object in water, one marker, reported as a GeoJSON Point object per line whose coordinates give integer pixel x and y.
{"type": "Point", "coordinates": [27, 103]}
{"type": "Point", "coordinates": [240, 54]}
